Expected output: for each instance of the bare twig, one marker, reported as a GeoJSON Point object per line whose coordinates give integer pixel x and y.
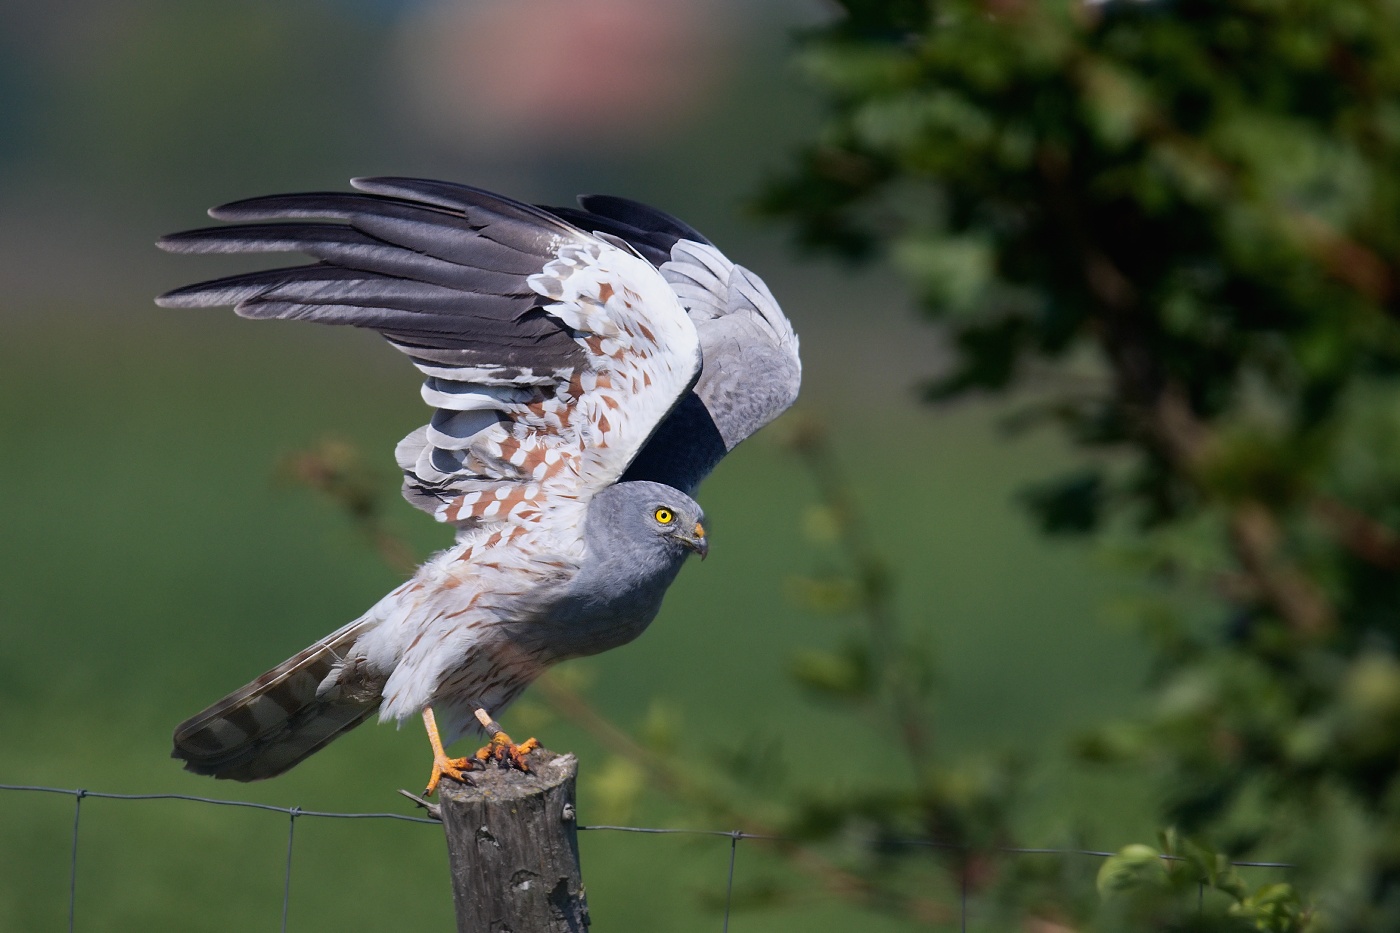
{"type": "Point", "coordinates": [335, 469]}
{"type": "Point", "coordinates": [431, 808]}
{"type": "Point", "coordinates": [1358, 532]}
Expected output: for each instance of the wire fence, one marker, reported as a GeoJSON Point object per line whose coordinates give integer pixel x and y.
{"type": "Point", "coordinates": [295, 813]}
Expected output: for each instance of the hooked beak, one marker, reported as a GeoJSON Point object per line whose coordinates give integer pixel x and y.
{"type": "Point", "coordinates": [699, 543]}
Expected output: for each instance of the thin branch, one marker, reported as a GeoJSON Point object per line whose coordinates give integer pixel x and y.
{"type": "Point", "coordinates": [335, 469]}
{"type": "Point", "coordinates": [1358, 532]}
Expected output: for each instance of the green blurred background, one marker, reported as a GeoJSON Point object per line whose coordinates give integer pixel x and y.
{"type": "Point", "coordinates": [153, 560]}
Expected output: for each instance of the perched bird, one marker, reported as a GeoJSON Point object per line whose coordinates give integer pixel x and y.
{"type": "Point", "coordinates": [588, 367]}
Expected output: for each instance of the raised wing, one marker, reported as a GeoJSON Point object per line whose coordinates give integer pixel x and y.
{"type": "Point", "coordinates": [551, 353]}
{"type": "Point", "coordinates": [751, 371]}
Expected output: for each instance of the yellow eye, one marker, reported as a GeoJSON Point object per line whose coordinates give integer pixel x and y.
{"type": "Point", "coordinates": [664, 516]}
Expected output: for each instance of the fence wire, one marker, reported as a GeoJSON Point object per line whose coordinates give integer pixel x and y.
{"type": "Point", "coordinates": [294, 813]}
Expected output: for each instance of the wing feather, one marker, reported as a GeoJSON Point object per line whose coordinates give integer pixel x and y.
{"type": "Point", "coordinates": [348, 247]}
{"type": "Point", "coordinates": [751, 372]}
{"type": "Point", "coordinates": [413, 225]}
{"type": "Point", "coordinates": [551, 354]}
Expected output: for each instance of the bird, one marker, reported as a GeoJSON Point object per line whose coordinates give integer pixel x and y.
{"type": "Point", "coordinates": [587, 368]}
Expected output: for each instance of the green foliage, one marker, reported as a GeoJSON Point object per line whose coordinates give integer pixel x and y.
{"type": "Point", "coordinates": [1071, 504]}
{"type": "Point", "coordinates": [843, 675]}
{"type": "Point", "coordinates": [1183, 885]}
{"type": "Point", "coordinates": [1172, 229]}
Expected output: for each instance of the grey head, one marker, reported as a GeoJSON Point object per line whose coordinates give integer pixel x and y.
{"type": "Point", "coordinates": [646, 521]}
{"type": "Point", "coordinates": [637, 536]}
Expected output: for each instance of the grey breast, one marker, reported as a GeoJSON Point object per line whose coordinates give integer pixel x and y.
{"type": "Point", "coordinates": [617, 589]}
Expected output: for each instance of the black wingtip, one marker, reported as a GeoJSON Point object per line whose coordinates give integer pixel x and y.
{"type": "Point", "coordinates": [375, 184]}
{"type": "Point", "coordinates": [233, 210]}
{"type": "Point", "coordinates": [194, 241]}
{"type": "Point", "coordinates": [243, 208]}
{"type": "Point", "coordinates": [454, 196]}
{"type": "Point", "coordinates": [179, 298]}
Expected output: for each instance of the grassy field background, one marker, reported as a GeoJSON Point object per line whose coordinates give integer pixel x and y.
{"type": "Point", "coordinates": [152, 561]}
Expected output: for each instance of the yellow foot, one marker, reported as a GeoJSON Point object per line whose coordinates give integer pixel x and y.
{"type": "Point", "coordinates": [455, 768]}
{"type": "Point", "coordinates": [501, 749]}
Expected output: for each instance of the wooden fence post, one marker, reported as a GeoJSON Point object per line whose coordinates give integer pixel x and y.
{"type": "Point", "coordinates": [512, 841]}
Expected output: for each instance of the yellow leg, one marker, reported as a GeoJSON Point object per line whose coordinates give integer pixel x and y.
{"type": "Point", "coordinates": [501, 748]}
{"type": "Point", "coordinates": [454, 768]}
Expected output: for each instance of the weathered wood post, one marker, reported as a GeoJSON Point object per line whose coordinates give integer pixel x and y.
{"type": "Point", "coordinates": [512, 841]}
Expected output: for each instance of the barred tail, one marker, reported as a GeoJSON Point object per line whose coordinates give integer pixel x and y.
{"type": "Point", "coordinates": [266, 727]}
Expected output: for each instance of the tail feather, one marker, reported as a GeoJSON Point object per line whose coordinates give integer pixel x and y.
{"type": "Point", "coordinates": [263, 729]}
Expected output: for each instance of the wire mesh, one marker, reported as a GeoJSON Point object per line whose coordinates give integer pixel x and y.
{"type": "Point", "coordinates": [295, 813]}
